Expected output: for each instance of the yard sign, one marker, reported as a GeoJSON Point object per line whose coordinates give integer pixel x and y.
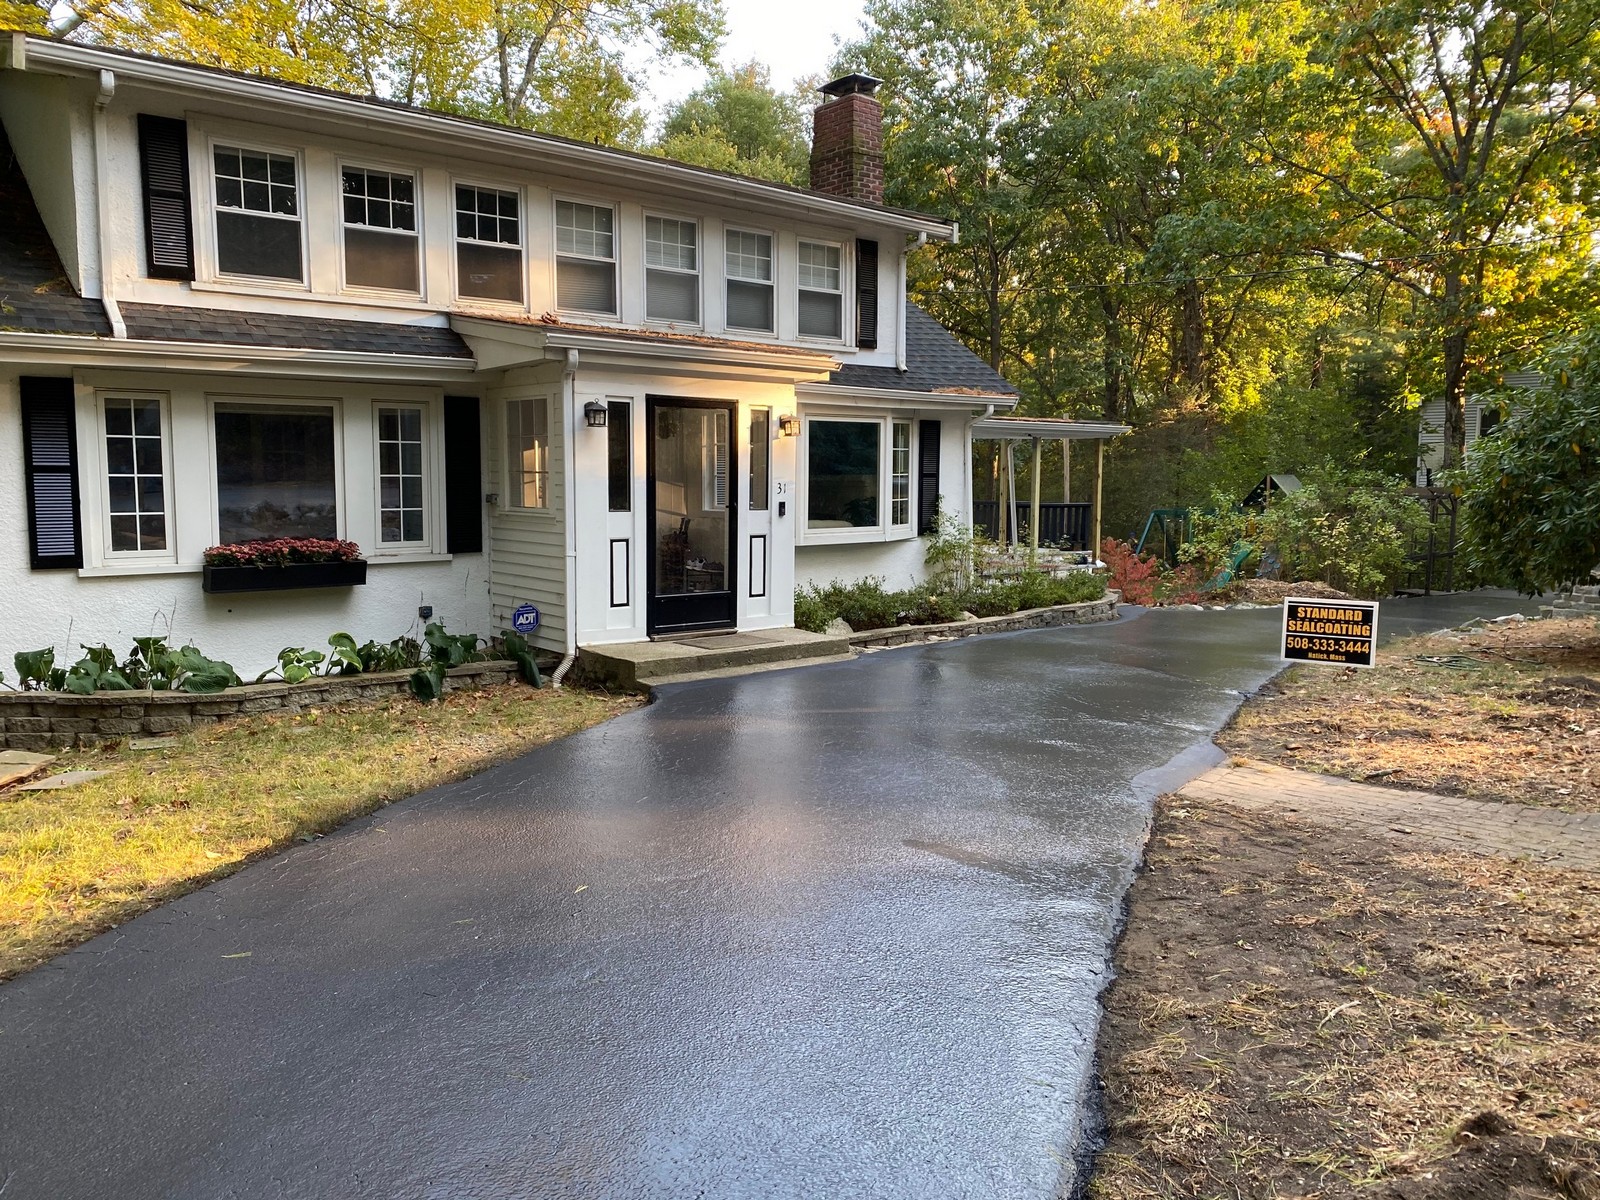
{"type": "Point", "coordinates": [1343, 633]}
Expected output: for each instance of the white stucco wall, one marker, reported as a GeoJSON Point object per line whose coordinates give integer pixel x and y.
{"type": "Point", "coordinates": [47, 123]}
{"type": "Point", "coordinates": [898, 564]}
{"type": "Point", "coordinates": [65, 607]}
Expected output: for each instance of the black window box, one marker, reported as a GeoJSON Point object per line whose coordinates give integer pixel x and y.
{"type": "Point", "coordinates": [290, 575]}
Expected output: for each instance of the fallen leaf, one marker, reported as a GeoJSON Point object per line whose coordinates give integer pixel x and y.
{"type": "Point", "coordinates": [582, 887]}
{"type": "Point", "coordinates": [245, 954]}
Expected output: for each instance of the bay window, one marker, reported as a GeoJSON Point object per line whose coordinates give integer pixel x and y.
{"type": "Point", "coordinates": [748, 265]}
{"type": "Point", "coordinates": [844, 462]}
{"type": "Point", "coordinates": [900, 474]}
{"type": "Point", "coordinates": [821, 276]}
{"type": "Point", "coordinates": [380, 229]}
{"type": "Point", "coordinates": [257, 209]}
{"type": "Point", "coordinates": [586, 258]}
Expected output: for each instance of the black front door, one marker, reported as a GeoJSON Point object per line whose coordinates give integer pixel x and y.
{"type": "Point", "coordinates": [693, 498]}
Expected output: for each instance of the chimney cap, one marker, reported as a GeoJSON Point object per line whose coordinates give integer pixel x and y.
{"type": "Point", "coordinates": [851, 85]}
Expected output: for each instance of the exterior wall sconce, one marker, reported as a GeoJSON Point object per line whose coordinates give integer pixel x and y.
{"type": "Point", "coordinates": [788, 425]}
{"type": "Point", "coordinates": [594, 415]}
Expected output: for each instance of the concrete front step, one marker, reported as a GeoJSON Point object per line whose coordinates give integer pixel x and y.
{"type": "Point", "coordinates": [634, 666]}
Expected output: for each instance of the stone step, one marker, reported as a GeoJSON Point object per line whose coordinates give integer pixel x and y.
{"type": "Point", "coordinates": [635, 666]}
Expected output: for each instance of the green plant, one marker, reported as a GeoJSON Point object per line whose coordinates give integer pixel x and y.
{"type": "Point", "coordinates": [517, 649]}
{"type": "Point", "coordinates": [96, 671]}
{"type": "Point", "coordinates": [295, 665]}
{"type": "Point", "coordinates": [949, 550]}
{"type": "Point", "coordinates": [344, 656]}
{"type": "Point", "coordinates": [1530, 513]}
{"type": "Point", "coordinates": [445, 650]}
{"type": "Point", "coordinates": [34, 668]}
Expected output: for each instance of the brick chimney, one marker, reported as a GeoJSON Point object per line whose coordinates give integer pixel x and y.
{"type": "Point", "coordinates": [847, 140]}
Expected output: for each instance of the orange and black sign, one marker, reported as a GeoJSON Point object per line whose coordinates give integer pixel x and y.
{"type": "Point", "coordinates": [1342, 633]}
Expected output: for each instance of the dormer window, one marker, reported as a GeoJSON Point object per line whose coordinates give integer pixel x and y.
{"type": "Point", "coordinates": [821, 291]}
{"type": "Point", "coordinates": [586, 258]}
{"type": "Point", "coordinates": [748, 262]}
{"type": "Point", "coordinates": [258, 213]}
{"type": "Point", "coordinates": [380, 229]}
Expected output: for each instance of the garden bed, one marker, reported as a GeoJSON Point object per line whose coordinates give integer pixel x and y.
{"type": "Point", "coordinates": [1104, 609]}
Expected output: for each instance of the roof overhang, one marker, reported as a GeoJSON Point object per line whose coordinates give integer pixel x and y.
{"type": "Point", "coordinates": [451, 134]}
{"type": "Point", "coordinates": [501, 345]}
{"type": "Point", "coordinates": [1027, 428]}
{"type": "Point", "coordinates": [832, 393]}
{"type": "Point", "coordinates": [70, 350]}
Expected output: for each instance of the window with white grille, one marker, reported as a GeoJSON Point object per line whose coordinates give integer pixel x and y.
{"type": "Point", "coordinates": [748, 265]}
{"type": "Point", "coordinates": [586, 258]}
{"type": "Point", "coordinates": [671, 270]}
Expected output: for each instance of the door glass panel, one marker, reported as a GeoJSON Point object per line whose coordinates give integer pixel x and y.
{"type": "Point", "coordinates": [692, 498]}
{"type": "Point", "coordinates": [760, 457]}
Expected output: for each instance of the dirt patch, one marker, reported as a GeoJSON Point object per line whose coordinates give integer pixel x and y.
{"type": "Point", "coordinates": [1275, 591]}
{"type": "Point", "coordinates": [1301, 1012]}
{"type": "Point", "coordinates": [1509, 712]}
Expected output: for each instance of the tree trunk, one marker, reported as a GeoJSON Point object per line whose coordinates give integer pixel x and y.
{"type": "Point", "coordinates": [1111, 357]}
{"type": "Point", "coordinates": [1191, 362]}
{"type": "Point", "coordinates": [1455, 373]}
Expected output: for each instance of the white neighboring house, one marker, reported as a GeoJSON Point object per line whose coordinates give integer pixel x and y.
{"type": "Point", "coordinates": [1481, 417]}
{"type": "Point", "coordinates": [644, 397]}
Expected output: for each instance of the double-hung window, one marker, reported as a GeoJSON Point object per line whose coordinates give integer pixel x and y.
{"type": "Point", "coordinates": [528, 452]}
{"type": "Point", "coordinates": [488, 243]}
{"type": "Point", "coordinates": [821, 275]}
{"type": "Point", "coordinates": [671, 270]}
{"type": "Point", "coordinates": [138, 522]}
{"type": "Point", "coordinates": [257, 213]}
{"type": "Point", "coordinates": [380, 229]}
{"type": "Point", "coordinates": [402, 475]}
{"type": "Point", "coordinates": [748, 264]}
{"type": "Point", "coordinates": [586, 258]}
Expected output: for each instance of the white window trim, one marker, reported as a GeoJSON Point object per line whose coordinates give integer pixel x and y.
{"type": "Point", "coordinates": [361, 164]}
{"type": "Point", "coordinates": [214, 272]}
{"type": "Point", "coordinates": [556, 199]}
{"type": "Point", "coordinates": [699, 273]}
{"type": "Point", "coordinates": [883, 531]}
{"type": "Point", "coordinates": [552, 415]}
{"type": "Point", "coordinates": [521, 194]}
{"type": "Point", "coordinates": [288, 400]}
{"type": "Point", "coordinates": [846, 275]}
{"type": "Point", "coordinates": [101, 553]}
{"type": "Point", "coordinates": [430, 521]}
{"type": "Point", "coordinates": [903, 527]}
{"type": "Point", "coordinates": [740, 331]}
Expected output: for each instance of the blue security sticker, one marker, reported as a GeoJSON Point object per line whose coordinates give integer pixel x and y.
{"type": "Point", "coordinates": [525, 619]}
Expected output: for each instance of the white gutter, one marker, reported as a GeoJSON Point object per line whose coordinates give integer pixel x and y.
{"type": "Point", "coordinates": [453, 133]}
{"type": "Point", "coordinates": [822, 392]}
{"type": "Point", "coordinates": [79, 350]}
{"type": "Point", "coordinates": [569, 459]}
{"type": "Point", "coordinates": [102, 204]}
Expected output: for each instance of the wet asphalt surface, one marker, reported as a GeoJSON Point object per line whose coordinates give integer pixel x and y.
{"type": "Point", "coordinates": [829, 932]}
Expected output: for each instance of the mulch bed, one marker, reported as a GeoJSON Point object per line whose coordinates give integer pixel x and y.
{"type": "Point", "coordinates": [1303, 1013]}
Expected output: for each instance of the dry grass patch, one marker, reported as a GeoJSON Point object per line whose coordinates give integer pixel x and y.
{"type": "Point", "coordinates": [75, 863]}
{"type": "Point", "coordinates": [1301, 1013]}
{"type": "Point", "coordinates": [1510, 712]}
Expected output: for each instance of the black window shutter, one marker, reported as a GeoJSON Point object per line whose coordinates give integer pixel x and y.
{"type": "Point", "coordinates": [927, 476]}
{"type": "Point", "coordinates": [164, 162]}
{"type": "Point", "coordinates": [463, 475]}
{"type": "Point", "coordinates": [50, 472]}
{"type": "Point", "coordinates": [866, 294]}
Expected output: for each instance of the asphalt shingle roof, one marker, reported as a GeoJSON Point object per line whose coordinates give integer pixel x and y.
{"type": "Point", "coordinates": [935, 362]}
{"type": "Point", "coordinates": [223, 327]}
{"type": "Point", "coordinates": [35, 294]}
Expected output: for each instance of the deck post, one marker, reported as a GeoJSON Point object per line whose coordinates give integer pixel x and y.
{"type": "Point", "coordinates": [1099, 479]}
{"type": "Point", "coordinates": [1033, 496]}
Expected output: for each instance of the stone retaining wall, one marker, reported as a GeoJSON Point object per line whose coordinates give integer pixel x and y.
{"type": "Point", "coordinates": [40, 720]}
{"type": "Point", "coordinates": [1104, 609]}
{"type": "Point", "coordinates": [1581, 601]}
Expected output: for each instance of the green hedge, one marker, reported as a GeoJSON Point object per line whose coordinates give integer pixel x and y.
{"type": "Point", "coordinates": [867, 604]}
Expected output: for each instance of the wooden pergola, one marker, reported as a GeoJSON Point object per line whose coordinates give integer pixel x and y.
{"type": "Point", "coordinates": [1038, 430]}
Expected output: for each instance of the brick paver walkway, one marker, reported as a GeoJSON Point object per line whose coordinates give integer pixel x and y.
{"type": "Point", "coordinates": [1445, 822]}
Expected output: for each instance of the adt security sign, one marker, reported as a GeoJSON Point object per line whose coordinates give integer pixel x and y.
{"type": "Point", "coordinates": [525, 619]}
{"type": "Point", "coordinates": [1342, 633]}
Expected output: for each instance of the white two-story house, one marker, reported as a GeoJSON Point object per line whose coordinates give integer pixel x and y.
{"type": "Point", "coordinates": [642, 396]}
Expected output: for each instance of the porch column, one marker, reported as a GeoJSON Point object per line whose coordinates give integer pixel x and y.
{"type": "Point", "coordinates": [1099, 479]}
{"type": "Point", "coordinates": [1033, 511]}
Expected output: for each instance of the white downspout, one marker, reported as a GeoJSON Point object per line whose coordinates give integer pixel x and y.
{"type": "Point", "coordinates": [102, 185]}
{"type": "Point", "coordinates": [569, 459]}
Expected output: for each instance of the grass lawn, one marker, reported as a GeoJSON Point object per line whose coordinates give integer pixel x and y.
{"type": "Point", "coordinates": [75, 863]}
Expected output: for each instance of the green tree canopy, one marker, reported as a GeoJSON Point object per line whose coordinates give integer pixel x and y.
{"type": "Point", "coordinates": [739, 122]}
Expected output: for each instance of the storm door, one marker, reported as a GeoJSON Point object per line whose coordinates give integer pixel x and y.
{"type": "Point", "coordinates": [692, 450]}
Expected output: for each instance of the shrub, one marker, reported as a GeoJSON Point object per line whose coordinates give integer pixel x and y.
{"type": "Point", "coordinates": [868, 605]}
{"type": "Point", "coordinates": [1530, 515]}
{"type": "Point", "coordinates": [1132, 574]}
